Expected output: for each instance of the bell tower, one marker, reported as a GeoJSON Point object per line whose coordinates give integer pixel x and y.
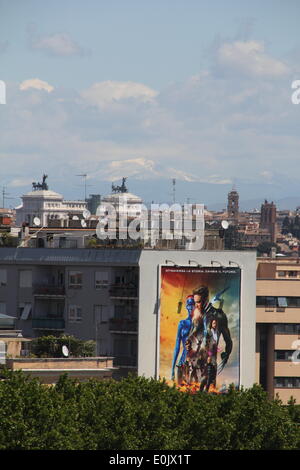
{"type": "Point", "coordinates": [233, 205]}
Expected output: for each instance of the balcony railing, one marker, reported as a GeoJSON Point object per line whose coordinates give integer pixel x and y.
{"type": "Point", "coordinates": [130, 361]}
{"type": "Point", "coordinates": [123, 325]}
{"type": "Point", "coordinates": [48, 323]}
{"type": "Point", "coordinates": [123, 291]}
{"type": "Point", "coordinates": [49, 290]}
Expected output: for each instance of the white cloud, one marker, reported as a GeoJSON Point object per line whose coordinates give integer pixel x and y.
{"type": "Point", "coordinates": [249, 57]}
{"type": "Point", "coordinates": [108, 92]}
{"type": "Point", "coordinates": [59, 44]}
{"type": "Point", "coordinates": [19, 182]}
{"type": "Point", "coordinates": [207, 129]}
{"type": "Point", "coordinates": [36, 84]}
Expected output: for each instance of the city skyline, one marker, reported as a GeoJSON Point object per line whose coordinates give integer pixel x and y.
{"type": "Point", "coordinates": [152, 93]}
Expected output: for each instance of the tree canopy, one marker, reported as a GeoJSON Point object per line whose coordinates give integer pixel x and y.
{"type": "Point", "coordinates": [138, 413]}
{"type": "Point", "coordinates": [51, 346]}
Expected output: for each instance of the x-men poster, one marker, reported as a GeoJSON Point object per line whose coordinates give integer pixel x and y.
{"type": "Point", "coordinates": [199, 323]}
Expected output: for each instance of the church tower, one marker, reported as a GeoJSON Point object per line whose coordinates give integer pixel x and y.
{"type": "Point", "coordinates": [268, 216]}
{"type": "Point", "coordinates": [233, 205]}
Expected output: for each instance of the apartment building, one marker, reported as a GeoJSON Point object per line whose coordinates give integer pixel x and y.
{"type": "Point", "coordinates": [91, 294]}
{"type": "Point", "coordinates": [278, 326]}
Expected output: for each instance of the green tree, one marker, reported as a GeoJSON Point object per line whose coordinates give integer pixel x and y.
{"type": "Point", "coordinates": [51, 346]}
{"type": "Point", "coordinates": [138, 413]}
{"type": "Point", "coordinates": [265, 247]}
{"type": "Point", "coordinates": [7, 240]}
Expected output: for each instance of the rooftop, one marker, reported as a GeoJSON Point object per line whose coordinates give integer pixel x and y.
{"type": "Point", "coordinates": [48, 256]}
{"type": "Point", "coordinates": [125, 196]}
{"type": "Point", "coordinates": [44, 193]}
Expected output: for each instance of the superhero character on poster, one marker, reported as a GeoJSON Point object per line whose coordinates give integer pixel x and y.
{"type": "Point", "coordinates": [199, 349]}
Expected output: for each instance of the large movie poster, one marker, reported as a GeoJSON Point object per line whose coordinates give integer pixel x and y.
{"type": "Point", "coordinates": [199, 340]}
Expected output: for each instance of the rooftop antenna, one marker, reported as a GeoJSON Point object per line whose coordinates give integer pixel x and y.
{"type": "Point", "coordinates": [84, 175]}
{"type": "Point", "coordinates": [174, 189]}
{"type": "Point", "coordinates": [5, 196]}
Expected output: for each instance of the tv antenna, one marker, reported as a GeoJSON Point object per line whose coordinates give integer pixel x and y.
{"type": "Point", "coordinates": [5, 196]}
{"type": "Point", "coordinates": [84, 176]}
{"type": "Point", "coordinates": [174, 189]}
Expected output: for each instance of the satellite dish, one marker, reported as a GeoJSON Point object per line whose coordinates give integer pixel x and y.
{"type": "Point", "coordinates": [83, 223]}
{"type": "Point", "coordinates": [86, 214]}
{"type": "Point", "coordinates": [37, 221]}
{"type": "Point", "coordinates": [65, 351]}
{"type": "Point", "coordinates": [225, 224]}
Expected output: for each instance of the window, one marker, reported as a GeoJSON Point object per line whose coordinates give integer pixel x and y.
{"type": "Point", "coordinates": [25, 278]}
{"type": "Point", "coordinates": [3, 308]}
{"type": "Point", "coordinates": [24, 310]}
{"type": "Point", "coordinates": [281, 273]}
{"type": "Point", "coordinates": [287, 382]}
{"type": "Point", "coordinates": [293, 301]}
{"type": "Point", "coordinates": [292, 273]}
{"type": "Point", "coordinates": [282, 302]}
{"type": "Point", "coordinates": [3, 277]}
{"type": "Point", "coordinates": [75, 313]}
{"type": "Point", "coordinates": [282, 355]}
{"type": "Point", "coordinates": [260, 301]}
{"type": "Point", "coordinates": [119, 280]}
{"type": "Point", "coordinates": [278, 302]}
{"type": "Point", "coordinates": [120, 347]}
{"type": "Point", "coordinates": [75, 279]}
{"type": "Point", "coordinates": [287, 328]}
{"type": "Point", "coordinates": [133, 347]}
{"type": "Point", "coordinates": [101, 279]}
{"type": "Point", "coordinates": [270, 301]}
{"type": "Point", "coordinates": [101, 313]}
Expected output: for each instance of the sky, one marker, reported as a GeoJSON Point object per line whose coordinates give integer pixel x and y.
{"type": "Point", "coordinates": [194, 90]}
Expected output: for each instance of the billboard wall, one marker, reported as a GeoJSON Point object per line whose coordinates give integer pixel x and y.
{"type": "Point", "coordinates": [199, 327]}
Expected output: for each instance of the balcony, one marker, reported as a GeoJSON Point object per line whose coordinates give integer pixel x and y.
{"type": "Point", "coordinates": [7, 322]}
{"type": "Point", "coordinates": [123, 325]}
{"type": "Point", "coordinates": [125, 361]}
{"type": "Point", "coordinates": [123, 291]}
{"type": "Point", "coordinates": [48, 324]}
{"type": "Point", "coordinates": [44, 290]}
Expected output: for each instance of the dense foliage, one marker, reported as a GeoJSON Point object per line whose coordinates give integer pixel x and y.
{"type": "Point", "coordinates": [138, 413]}
{"type": "Point", "coordinates": [51, 346]}
{"type": "Point", "coordinates": [266, 247]}
{"type": "Point", "coordinates": [7, 240]}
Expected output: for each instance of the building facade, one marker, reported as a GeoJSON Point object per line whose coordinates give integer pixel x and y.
{"type": "Point", "coordinates": [233, 205]}
{"type": "Point", "coordinates": [268, 219]}
{"type": "Point", "coordinates": [91, 294]}
{"type": "Point", "coordinates": [278, 326]}
{"type": "Point", "coordinates": [48, 206]}
{"type": "Point", "coordinates": [112, 296]}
